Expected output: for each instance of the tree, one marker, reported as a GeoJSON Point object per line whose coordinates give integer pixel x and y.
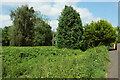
{"type": "Point", "coordinates": [23, 26]}
{"type": "Point", "coordinates": [5, 36]}
{"type": "Point", "coordinates": [69, 31]}
{"type": "Point", "coordinates": [14, 36]}
{"type": "Point", "coordinates": [43, 33]}
{"type": "Point", "coordinates": [99, 33]}
{"type": "Point", "coordinates": [54, 37]}
{"type": "Point", "coordinates": [0, 36]}
{"type": "Point", "coordinates": [118, 30]}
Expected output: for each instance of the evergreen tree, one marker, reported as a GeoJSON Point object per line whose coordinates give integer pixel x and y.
{"type": "Point", "coordinates": [70, 31]}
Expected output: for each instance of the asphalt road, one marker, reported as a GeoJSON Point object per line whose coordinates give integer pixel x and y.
{"type": "Point", "coordinates": [118, 60]}
{"type": "Point", "coordinates": [113, 68]}
{"type": "Point", "coordinates": [118, 47]}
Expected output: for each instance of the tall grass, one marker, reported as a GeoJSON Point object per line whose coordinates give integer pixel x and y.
{"type": "Point", "coordinates": [50, 62]}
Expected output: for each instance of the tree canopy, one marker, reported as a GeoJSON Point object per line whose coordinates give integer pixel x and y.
{"type": "Point", "coordinates": [69, 31]}
{"type": "Point", "coordinates": [5, 36]}
{"type": "Point", "coordinates": [23, 31]}
{"type": "Point", "coordinates": [30, 28]}
{"type": "Point", "coordinates": [43, 34]}
{"type": "Point", "coordinates": [0, 36]}
{"type": "Point", "coordinates": [118, 30]}
{"type": "Point", "coordinates": [99, 33]}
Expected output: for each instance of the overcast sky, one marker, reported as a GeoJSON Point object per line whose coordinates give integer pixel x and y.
{"type": "Point", "coordinates": [88, 10]}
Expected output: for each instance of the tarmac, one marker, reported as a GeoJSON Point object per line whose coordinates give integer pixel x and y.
{"type": "Point", "coordinates": [113, 67]}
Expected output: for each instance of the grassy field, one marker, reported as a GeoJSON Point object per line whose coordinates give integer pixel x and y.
{"type": "Point", "coordinates": [50, 62]}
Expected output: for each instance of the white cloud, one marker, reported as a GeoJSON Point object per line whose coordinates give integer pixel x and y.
{"type": "Point", "coordinates": [13, 4]}
{"type": "Point", "coordinates": [21, 0]}
{"type": "Point", "coordinates": [86, 16]}
{"type": "Point", "coordinates": [52, 10]}
{"type": "Point", "coordinates": [55, 10]}
{"type": "Point", "coordinates": [60, 0]}
{"type": "Point", "coordinates": [54, 24]}
{"type": "Point", "coordinates": [41, 0]}
{"type": "Point", "coordinates": [49, 9]}
{"type": "Point", "coordinates": [5, 21]}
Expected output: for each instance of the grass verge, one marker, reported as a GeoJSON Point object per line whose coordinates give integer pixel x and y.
{"type": "Point", "coordinates": [50, 62]}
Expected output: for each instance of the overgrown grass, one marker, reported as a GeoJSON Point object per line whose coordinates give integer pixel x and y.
{"type": "Point", "coordinates": [50, 62]}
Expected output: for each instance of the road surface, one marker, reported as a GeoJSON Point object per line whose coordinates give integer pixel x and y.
{"type": "Point", "coordinates": [113, 68]}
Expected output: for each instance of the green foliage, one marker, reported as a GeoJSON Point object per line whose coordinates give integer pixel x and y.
{"type": "Point", "coordinates": [23, 31]}
{"type": "Point", "coordinates": [117, 37]}
{"type": "Point", "coordinates": [69, 31]}
{"type": "Point", "coordinates": [0, 36]}
{"type": "Point", "coordinates": [118, 30]}
{"type": "Point", "coordinates": [99, 33]}
{"type": "Point", "coordinates": [0, 31]}
{"type": "Point", "coordinates": [50, 62]}
{"type": "Point", "coordinates": [0, 53]}
{"type": "Point", "coordinates": [43, 33]}
{"type": "Point", "coordinates": [5, 36]}
{"type": "Point", "coordinates": [30, 28]}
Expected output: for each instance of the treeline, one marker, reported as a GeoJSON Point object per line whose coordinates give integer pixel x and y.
{"type": "Point", "coordinates": [30, 28]}
{"type": "Point", "coordinates": [0, 36]}
{"type": "Point", "coordinates": [72, 34]}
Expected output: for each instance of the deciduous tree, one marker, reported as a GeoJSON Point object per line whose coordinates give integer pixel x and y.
{"type": "Point", "coordinates": [5, 36]}
{"type": "Point", "coordinates": [23, 20]}
{"type": "Point", "coordinates": [43, 33]}
{"type": "Point", "coordinates": [99, 33]}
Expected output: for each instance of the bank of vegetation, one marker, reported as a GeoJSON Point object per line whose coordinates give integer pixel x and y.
{"type": "Point", "coordinates": [51, 62]}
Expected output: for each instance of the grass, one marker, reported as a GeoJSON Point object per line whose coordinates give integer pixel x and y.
{"type": "Point", "coordinates": [50, 62]}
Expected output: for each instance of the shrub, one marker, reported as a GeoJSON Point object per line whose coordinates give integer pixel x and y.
{"type": "Point", "coordinates": [99, 33]}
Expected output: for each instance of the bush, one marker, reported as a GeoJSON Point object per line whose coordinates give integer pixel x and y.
{"type": "Point", "coordinates": [50, 62]}
{"type": "Point", "coordinates": [99, 33]}
{"type": "Point", "coordinates": [69, 31]}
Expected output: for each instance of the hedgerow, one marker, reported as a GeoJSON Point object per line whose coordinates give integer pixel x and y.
{"type": "Point", "coordinates": [50, 62]}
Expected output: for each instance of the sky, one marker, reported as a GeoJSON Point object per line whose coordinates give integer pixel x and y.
{"type": "Point", "coordinates": [89, 11]}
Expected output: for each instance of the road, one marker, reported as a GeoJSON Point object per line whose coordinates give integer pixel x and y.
{"type": "Point", "coordinates": [119, 60]}
{"type": "Point", "coordinates": [118, 47]}
{"type": "Point", "coordinates": [113, 68]}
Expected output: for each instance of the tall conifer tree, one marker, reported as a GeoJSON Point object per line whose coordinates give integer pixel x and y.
{"type": "Point", "coordinates": [69, 31]}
